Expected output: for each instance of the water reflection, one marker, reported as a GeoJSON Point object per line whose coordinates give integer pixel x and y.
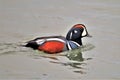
{"type": "Point", "coordinates": [71, 62]}
{"type": "Point", "coordinates": [75, 55]}
{"type": "Point", "coordinates": [77, 67]}
{"type": "Point", "coordinates": [76, 60]}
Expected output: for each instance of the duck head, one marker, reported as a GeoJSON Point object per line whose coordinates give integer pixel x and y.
{"type": "Point", "coordinates": [77, 32]}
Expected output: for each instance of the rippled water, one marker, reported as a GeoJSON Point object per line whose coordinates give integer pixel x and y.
{"type": "Point", "coordinates": [73, 59]}
{"type": "Point", "coordinates": [23, 20]}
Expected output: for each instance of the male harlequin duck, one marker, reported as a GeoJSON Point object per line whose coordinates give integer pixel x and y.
{"type": "Point", "coordinates": [56, 44]}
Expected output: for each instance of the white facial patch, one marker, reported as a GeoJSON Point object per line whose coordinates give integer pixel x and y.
{"type": "Point", "coordinates": [71, 35]}
{"type": "Point", "coordinates": [84, 32]}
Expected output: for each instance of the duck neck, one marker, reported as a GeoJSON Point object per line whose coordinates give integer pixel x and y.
{"type": "Point", "coordinates": [79, 41]}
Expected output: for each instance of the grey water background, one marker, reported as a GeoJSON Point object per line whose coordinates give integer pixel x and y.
{"type": "Point", "coordinates": [22, 20]}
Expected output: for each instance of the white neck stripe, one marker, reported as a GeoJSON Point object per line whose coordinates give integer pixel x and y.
{"type": "Point", "coordinates": [69, 47]}
{"type": "Point", "coordinates": [75, 43]}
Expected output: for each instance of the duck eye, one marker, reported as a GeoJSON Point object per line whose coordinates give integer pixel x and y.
{"type": "Point", "coordinates": [75, 31]}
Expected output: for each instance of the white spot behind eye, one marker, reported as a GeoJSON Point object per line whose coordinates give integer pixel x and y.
{"type": "Point", "coordinates": [75, 31]}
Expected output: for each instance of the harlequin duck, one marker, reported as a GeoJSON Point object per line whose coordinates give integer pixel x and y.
{"type": "Point", "coordinates": [56, 44]}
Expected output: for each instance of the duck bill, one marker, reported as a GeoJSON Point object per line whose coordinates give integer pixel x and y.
{"type": "Point", "coordinates": [88, 35]}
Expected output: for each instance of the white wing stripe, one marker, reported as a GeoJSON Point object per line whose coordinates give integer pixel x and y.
{"type": "Point", "coordinates": [55, 39]}
{"type": "Point", "coordinates": [41, 41]}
